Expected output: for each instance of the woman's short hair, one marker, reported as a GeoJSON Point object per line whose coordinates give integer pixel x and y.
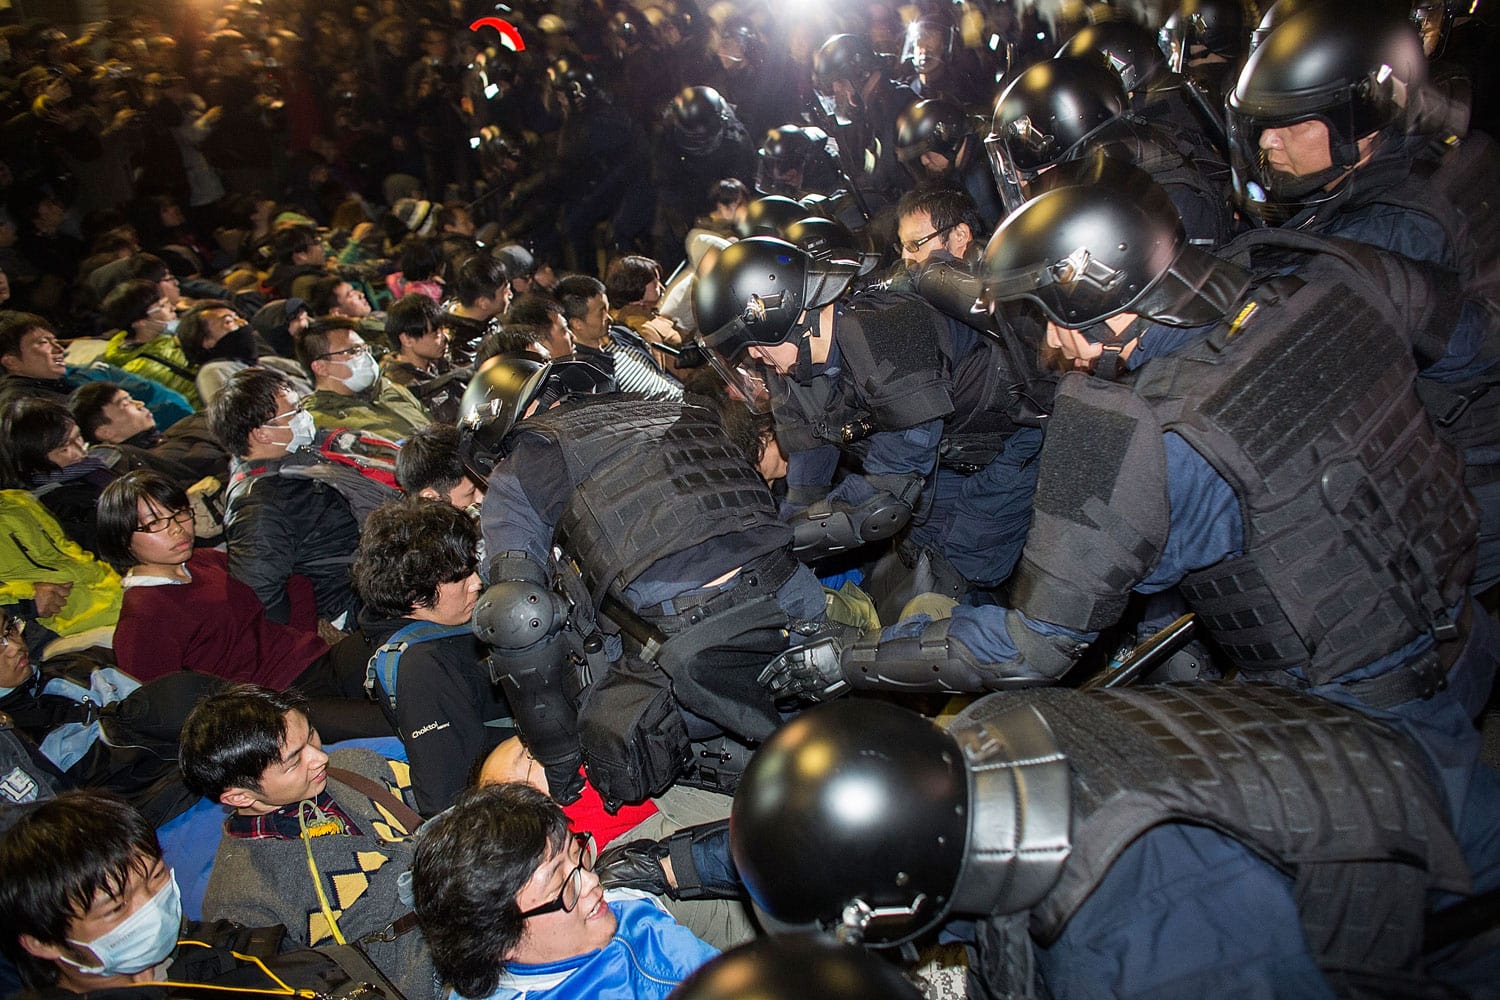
{"type": "Point", "coordinates": [119, 512]}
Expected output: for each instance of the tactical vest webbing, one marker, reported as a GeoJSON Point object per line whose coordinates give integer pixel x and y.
{"type": "Point", "coordinates": [1339, 803]}
{"type": "Point", "coordinates": [1358, 533]}
{"type": "Point", "coordinates": [650, 479]}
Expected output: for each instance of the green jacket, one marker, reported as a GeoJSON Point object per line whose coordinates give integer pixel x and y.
{"type": "Point", "coordinates": [34, 549]}
{"type": "Point", "coordinates": [159, 359]}
{"type": "Point", "coordinates": [386, 409]}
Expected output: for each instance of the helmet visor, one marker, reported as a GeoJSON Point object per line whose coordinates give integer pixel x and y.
{"type": "Point", "coordinates": [743, 378]}
{"type": "Point", "coordinates": [1281, 166]}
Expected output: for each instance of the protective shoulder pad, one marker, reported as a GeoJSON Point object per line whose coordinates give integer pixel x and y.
{"type": "Point", "coordinates": [1101, 514]}
{"type": "Point", "coordinates": [894, 346]}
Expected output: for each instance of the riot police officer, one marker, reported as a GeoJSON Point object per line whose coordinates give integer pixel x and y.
{"type": "Point", "coordinates": [1266, 454]}
{"type": "Point", "coordinates": [1164, 841]}
{"type": "Point", "coordinates": [668, 524]}
{"type": "Point", "coordinates": [941, 147]}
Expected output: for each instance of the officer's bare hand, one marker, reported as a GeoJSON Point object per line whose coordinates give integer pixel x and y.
{"type": "Point", "coordinates": [811, 671]}
{"type": "Point", "coordinates": [50, 598]}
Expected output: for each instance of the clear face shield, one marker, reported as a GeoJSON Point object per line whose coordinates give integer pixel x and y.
{"type": "Point", "coordinates": [1010, 182]}
{"type": "Point", "coordinates": [780, 174]}
{"type": "Point", "coordinates": [927, 46]}
{"type": "Point", "coordinates": [1176, 40]}
{"type": "Point", "coordinates": [1267, 183]}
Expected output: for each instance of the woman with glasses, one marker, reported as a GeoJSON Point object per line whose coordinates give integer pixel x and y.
{"type": "Point", "coordinates": [508, 900]}
{"type": "Point", "coordinates": [183, 611]}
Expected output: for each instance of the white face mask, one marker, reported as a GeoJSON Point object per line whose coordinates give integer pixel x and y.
{"type": "Point", "coordinates": [301, 426]}
{"type": "Point", "coordinates": [141, 941]}
{"type": "Point", "coordinates": [362, 372]}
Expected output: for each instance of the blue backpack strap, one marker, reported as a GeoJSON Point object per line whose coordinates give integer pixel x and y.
{"type": "Point", "coordinates": [382, 671]}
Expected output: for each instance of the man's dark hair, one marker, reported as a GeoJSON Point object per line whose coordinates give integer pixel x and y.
{"type": "Point", "coordinates": [87, 404]}
{"type": "Point", "coordinates": [408, 547]}
{"type": "Point", "coordinates": [129, 301]}
{"type": "Point", "coordinates": [247, 400]}
{"type": "Point", "coordinates": [230, 738]}
{"type": "Point", "coordinates": [429, 459]}
{"type": "Point", "coordinates": [191, 329]}
{"type": "Point", "coordinates": [30, 429]}
{"type": "Point", "coordinates": [148, 267]}
{"type": "Point", "coordinates": [472, 863]}
{"type": "Point", "coordinates": [727, 192]}
{"type": "Point", "coordinates": [313, 343]}
{"type": "Point", "coordinates": [56, 859]}
{"type": "Point", "coordinates": [420, 258]}
{"type": "Point", "coordinates": [512, 338]}
{"type": "Point", "coordinates": [534, 310]}
{"type": "Point", "coordinates": [16, 325]}
{"type": "Point", "coordinates": [481, 276]}
{"type": "Point", "coordinates": [320, 298]}
{"type": "Point", "coordinates": [573, 294]}
{"type": "Point", "coordinates": [946, 207]}
{"type": "Point", "coordinates": [413, 315]}
{"type": "Point", "coordinates": [289, 242]}
{"type": "Point", "coordinates": [119, 512]}
{"type": "Point", "coordinates": [628, 276]}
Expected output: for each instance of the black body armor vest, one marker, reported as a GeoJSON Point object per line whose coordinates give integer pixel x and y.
{"type": "Point", "coordinates": [651, 479]}
{"type": "Point", "coordinates": [1339, 803]}
{"type": "Point", "coordinates": [1359, 535]}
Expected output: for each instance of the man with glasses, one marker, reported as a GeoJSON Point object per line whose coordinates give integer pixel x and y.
{"type": "Point", "coordinates": [293, 508]}
{"type": "Point", "coordinates": [348, 390]}
{"type": "Point", "coordinates": [508, 901]}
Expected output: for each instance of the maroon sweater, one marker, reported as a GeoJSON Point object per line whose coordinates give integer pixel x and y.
{"type": "Point", "coordinates": [214, 624]}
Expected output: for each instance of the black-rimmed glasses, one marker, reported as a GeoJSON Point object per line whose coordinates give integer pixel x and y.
{"type": "Point", "coordinates": [156, 524]}
{"type": "Point", "coordinates": [572, 887]}
{"type": "Point", "coordinates": [912, 246]}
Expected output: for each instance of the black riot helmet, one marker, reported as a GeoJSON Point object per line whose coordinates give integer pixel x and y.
{"type": "Point", "coordinates": [1357, 76]}
{"type": "Point", "coordinates": [570, 83]}
{"type": "Point", "coordinates": [500, 393]}
{"type": "Point", "coordinates": [1046, 116]}
{"type": "Point", "coordinates": [1105, 240]}
{"type": "Point", "coordinates": [1217, 26]}
{"type": "Point", "coordinates": [1129, 48]}
{"type": "Point", "coordinates": [842, 57]}
{"type": "Point", "coordinates": [698, 118]}
{"type": "Point", "coordinates": [937, 125]}
{"type": "Point", "coordinates": [769, 216]}
{"type": "Point", "coordinates": [1275, 15]}
{"type": "Point", "coordinates": [928, 44]}
{"type": "Point", "coordinates": [828, 239]}
{"type": "Point", "coordinates": [759, 288]}
{"type": "Point", "coordinates": [883, 794]}
{"type": "Point", "coordinates": [796, 968]}
{"type": "Point", "coordinates": [782, 162]}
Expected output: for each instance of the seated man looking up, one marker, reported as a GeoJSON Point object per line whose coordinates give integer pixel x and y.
{"type": "Point", "coordinates": [347, 388]}
{"type": "Point", "coordinates": [35, 365]}
{"type": "Point", "coordinates": [185, 453]}
{"type": "Point", "coordinates": [417, 574]}
{"type": "Point", "coordinates": [510, 906]}
{"type": "Point", "coordinates": [256, 751]}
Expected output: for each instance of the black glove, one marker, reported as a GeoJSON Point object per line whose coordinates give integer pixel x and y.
{"type": "Point", "coordinates": [564, 780]}
{"type": "Point", "coordinates": [810, 671]}
{"type": "Point", "coordinates": [636, 865]}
